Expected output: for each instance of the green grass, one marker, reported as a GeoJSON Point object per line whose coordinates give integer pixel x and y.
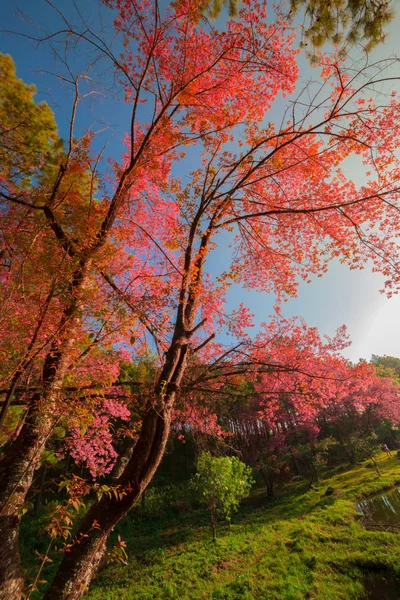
{"type": "Point", "coordinates": [300, 546]}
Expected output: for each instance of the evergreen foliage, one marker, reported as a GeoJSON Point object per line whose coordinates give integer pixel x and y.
{"type": "Point", "coordinates": [342, 22]}
{"type": "Point", "coordinates": [345, 22]}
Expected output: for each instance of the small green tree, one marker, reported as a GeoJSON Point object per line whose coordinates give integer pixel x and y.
{"type": "Point", "coordinates": [221, 483]}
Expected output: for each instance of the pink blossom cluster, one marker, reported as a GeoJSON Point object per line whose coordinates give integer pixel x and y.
{"type": "Point", "coordinates": [93, 447]}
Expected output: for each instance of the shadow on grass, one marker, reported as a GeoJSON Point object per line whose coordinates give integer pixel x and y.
{"type": "Point", "coordinates": [381, 586]}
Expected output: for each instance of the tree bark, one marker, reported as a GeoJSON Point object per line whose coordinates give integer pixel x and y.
{"type": "Point", "coordinates": [296, 466]}
{"type": "Point", "coordinates": [81, 562]}
{"type": "Point", "coordinates": [214, 524]}
{"type": "Point", "coordinates": [17, 470]}
{"type": "Point", "coordinates": [22, 456]}
{"type": "Point", "coordinates": [11, 577]}
{"type": "Point", "coordinates": [123, 461]}
{"type": "Point", "coordinates": [84, 555]}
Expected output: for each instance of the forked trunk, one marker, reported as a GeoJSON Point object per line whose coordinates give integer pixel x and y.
{"type": "Point", "coordinates": [84, 555]}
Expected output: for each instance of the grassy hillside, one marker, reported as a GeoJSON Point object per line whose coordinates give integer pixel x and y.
{"type": "Point", "coordinates": [303, 545]}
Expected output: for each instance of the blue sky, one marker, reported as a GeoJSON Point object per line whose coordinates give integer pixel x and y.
{"type": "Point", "coordinates": [341, 296]}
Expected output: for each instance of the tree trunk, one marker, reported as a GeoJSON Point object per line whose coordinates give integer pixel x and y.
{"type": "Point", "coordinates": [83, 557]}
{"type": "Point", "coordinates": [214, 524]}
{"type": "Point", "coordinates": [81, 562]}
{"type": "Point", "coordinates": [348, 451]}
{"type": "Point", "coordinates": [269, 481]}
{"type": "Point", "coordinates": [376, 465]}
{"type": "Point", "coordinates": [296, 467]}
{"type": "Point", "coordinates": [123, 461]}
{"type": "Point", "coordinates": [315, 471]}
{"type": "Point", "coordinates": [16, 474]}
{"type": "Point", "coordinates": [186, 461]}
{"type": "Point", "coordinates": [22, 456]}
{"type": "Point", "coordinates": [352, 457]}
{"type": "Point", "coordinates": [11, 576]}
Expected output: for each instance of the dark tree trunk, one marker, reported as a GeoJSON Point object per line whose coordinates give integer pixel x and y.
{"type": "Point", "coordinates": [11, 576]}
{"type": "Point", "coordinates": [296, 467]}
{"type": "Point", "coordinates": [22, 456]}
{"type": "Point", "coordinates": [123, 460]}
{"type": "Point", "coordinates": [269, 482]}
{"type": "Point", "coordinates": [214, 524]}
{"type": "Point", "coordinates": [21, 459]}
{"type": "Point", "coordinates": [186, 461]}
{"type": "Point", "coordinates": [348, 451]}
{"type": "Point", "coordinates": [313, 475]}
{"type": "Point", "coordinates": [375, 465]}
{"type": "Point", "coordinates": [81, 562]}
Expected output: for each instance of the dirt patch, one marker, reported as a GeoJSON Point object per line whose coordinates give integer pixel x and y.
{"type": "Point", "coordinates": [221, 565]}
